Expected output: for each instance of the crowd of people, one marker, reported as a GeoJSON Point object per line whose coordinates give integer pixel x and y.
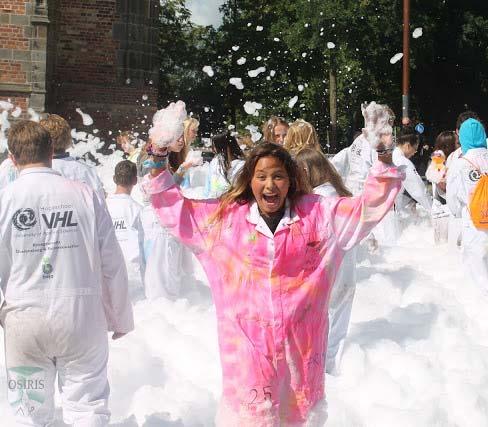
{"type": "Point", "coordinates": [275, 229]}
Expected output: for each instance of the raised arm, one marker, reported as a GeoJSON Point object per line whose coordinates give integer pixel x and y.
{"type": "Point", "coordinates": [352, 218]}
{"type": "Point", "coordinates": [186, 219]}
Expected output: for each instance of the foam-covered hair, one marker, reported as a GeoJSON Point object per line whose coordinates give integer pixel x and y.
{"type": "Point", "coordinates": [168, 124]}
{"type": "Point", "coordinates": [376, 122]}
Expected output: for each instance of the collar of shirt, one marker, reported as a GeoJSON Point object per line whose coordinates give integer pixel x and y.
{"type": "Point", "coordinates": [254, 217]}
{"type": "Point", "coordinates": [28, 171]}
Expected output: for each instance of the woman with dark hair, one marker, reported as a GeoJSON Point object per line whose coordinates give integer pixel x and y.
{"type": "Point", "coordinates": [407, 146]}
{"type": "Point", "coordinates": [225, 165]}
{"type": "Point", "coordinates": [271, 252]}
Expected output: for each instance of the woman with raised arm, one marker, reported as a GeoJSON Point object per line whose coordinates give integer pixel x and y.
{"type": "Point", "coordinates": [271, 252]}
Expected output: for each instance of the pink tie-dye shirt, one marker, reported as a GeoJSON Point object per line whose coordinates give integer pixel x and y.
{"type": "Point", "coordinates": [271, 291]}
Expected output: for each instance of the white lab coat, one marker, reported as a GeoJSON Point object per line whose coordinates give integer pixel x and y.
{"type": "Point", "coordinates": [413, 184]}
{"type": "Point", "coordinates": [217, 183]}
{"type": "Point", "coordinates": [461, 182]}
{"type": "Point", "coordinates": [67, 166]}
{"type": "Point", "coordinates": [64, 284]}
{"type": "Point", "coordinates": [354, 162]}
{"type": "Point", "coordinates": [455, 226]}
{"type": "Point", "coordinates": [126, 218]}
{"type": "Point", "coordinates": [165, 262]}
{"type": "Point", "coordinates": [440, 215]}
{"type": "Point", "coordinates": [341, 299]}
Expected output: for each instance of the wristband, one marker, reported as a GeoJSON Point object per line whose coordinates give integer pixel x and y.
{"type": "Point", "coordinates": [151, 164]}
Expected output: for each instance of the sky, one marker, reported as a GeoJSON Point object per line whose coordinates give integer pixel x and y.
{"type": "Point", "coordinates": [205, 12]}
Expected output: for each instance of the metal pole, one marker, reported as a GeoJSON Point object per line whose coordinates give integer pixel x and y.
{"type": "Point", "coordinates": [406, 62]}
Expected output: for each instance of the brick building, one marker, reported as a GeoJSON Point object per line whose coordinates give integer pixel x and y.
{"type": "Point", "coordinates": [97, 55]}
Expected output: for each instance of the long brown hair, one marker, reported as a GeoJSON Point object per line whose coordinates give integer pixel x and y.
{"type": "Point", "coordinates": [241, 192]}
{"type": "Point", "coordinates": [227, 146]}
{"type": "Point", "coordinates": [446, 141]}
{"type": "Point", "coordinates": [319, 170]}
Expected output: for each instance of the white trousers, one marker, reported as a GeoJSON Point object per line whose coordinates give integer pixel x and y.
{"type": "Point", "coordinates": [164, 267]}
{"type": "Point", "coordinates": [454, 235]}
{"type": "Point", "coordinates": [475, 256]}
{"type": "Point", "coordinates": [387, 231]}
{"type": "Point", "coordinates": [67, 338]}
{"type": "Point", "coordinates": [440, 222]}
{"type": "Point", "coordinates": [340, 306]}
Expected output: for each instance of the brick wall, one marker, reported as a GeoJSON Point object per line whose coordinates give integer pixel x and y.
{"type": "Point", "coordinates": [103, 58]}
{"type": "Point", "coordinates": [15, 57]}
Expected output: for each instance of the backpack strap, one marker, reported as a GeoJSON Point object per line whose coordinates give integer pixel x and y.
{"type": "Point", "coordinates": [476, 168]}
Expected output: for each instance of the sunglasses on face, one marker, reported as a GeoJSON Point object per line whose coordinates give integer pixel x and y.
{"type": "Point", "coordinates": [385, 151]}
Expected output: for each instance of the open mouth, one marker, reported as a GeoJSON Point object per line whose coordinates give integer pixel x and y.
{"type": "Point", "coordinates": [271, 199]}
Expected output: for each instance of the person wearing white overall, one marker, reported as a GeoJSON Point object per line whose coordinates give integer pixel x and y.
{"type": "Point", "coordinates": [461, 183]}
{"type": "Point", "coordinates": [407, 145]}
{"type": "Point", "coordinates": [354, 162]}
{"type": "Point", "coordinates": [62, 162]}
{"type": "Point", "coordinates": [327, 183]}
{"type": "Point", "coordinates": [126, 218]}
{"type": "Point", "coordinates": [63, 285]}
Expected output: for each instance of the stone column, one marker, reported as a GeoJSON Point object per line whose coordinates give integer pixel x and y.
{"type": "Point", "coordinates": [38, 48]}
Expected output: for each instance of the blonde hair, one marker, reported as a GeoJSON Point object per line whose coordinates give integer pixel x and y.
{"type": "Point", "coordinates": [301, 134]}
{"type": "Point", "coordinates": [188, 124]}
{"type": "Point", "coordinates": [59, 131]}
{"type": "Point", "coordinates": [269, 126]}
{"type": "Point", "coordinates": [320, 170]}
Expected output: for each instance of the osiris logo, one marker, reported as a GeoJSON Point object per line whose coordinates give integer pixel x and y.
{"type": "Point", "coordinates": [59, 219]}
{"type": "Point", "coordinates": [24, 384]}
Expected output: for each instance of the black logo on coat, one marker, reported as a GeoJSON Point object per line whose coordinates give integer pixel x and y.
{"type": "Point", "coordinates": [24, 219]}
{"type": "Point", "coordinates": [474, 175]}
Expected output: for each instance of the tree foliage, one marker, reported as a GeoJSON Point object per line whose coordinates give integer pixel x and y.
{"type": "Point", "coordinates": [303, 43]}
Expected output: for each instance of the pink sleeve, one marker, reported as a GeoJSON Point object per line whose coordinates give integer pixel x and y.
{"type": "Point", "coordinates": [352, 218]}
{"type": "Point", "coordinates": [186, 219]}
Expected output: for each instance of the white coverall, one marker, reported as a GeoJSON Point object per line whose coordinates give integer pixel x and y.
{"type": "Point", "coordinates": [216, 183]}
{"type": "Point", "coordinates": [67, 166]}
{"type": "Point", "coordinates": [353, 164]}
{"type": "Point", "coordinates": [165, 261]}
{"type": "Point", "coordinates": [126, 218]}
{"type": "Point", "coordinates": [341, 299]}
{"type": "Point", "coordinates": [461, 182]}
{"type": "Point", "coordinates": [64, 284]}
{"type": "Point", "coordinates": [455, 224]}
{"type": "Point", "coordinates": [440, 215]}
{"type": "Point", "coordinates": [412, 183]}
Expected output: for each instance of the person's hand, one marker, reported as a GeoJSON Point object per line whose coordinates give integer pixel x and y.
{"type": "Point", "coordinates": [117, 335]}
{"type": "Point", "coordinates": [442, 186]}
